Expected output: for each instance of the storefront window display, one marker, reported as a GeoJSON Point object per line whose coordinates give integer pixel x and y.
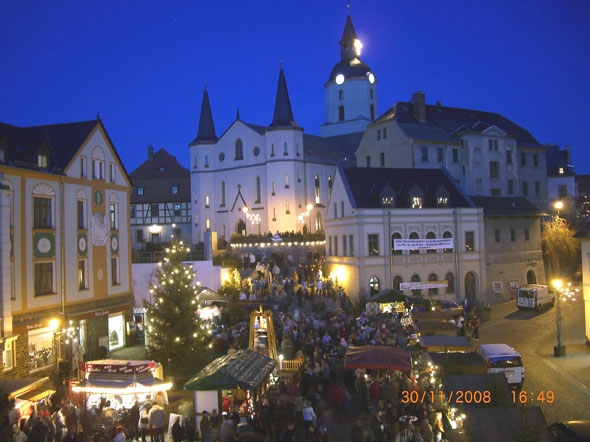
{"type": "Point", "coordinates": [41, 353]}
{"type": "Point", "coordinates": [116, 332]}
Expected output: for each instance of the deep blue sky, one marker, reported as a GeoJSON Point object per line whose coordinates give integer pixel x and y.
{"type": "Point", "coordinates": [142, 64]}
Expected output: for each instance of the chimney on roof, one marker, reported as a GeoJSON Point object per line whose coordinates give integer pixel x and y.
{"type": "Point", "coordinates": [419, 106]}
{"type": "Point", "coordinates": [150, 153]}
{"type": "Point", "coordinates": [568, 154]}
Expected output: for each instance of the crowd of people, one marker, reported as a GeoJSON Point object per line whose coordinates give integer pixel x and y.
{"type": "Point", "coordinates": [316, 322]}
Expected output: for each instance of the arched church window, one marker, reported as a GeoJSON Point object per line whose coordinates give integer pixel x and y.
{"type": "Point", "coordinates": [372, 112]}
{"type": "Point", "coordinates": [285, 150]}
{"type": "Point", "coordinates": [340, 113]}
{"type": "Point", "coordinates": [317, 189]}
{"type": "Point", "coordinates": [272, 150]}
{"type": "Point", "coordinates": [341, 95]}
{"type": "Point", "coordinates": [206, 161]}
{"type": "Point", "coordinates": [239, 150]}
{"type": "Point", "coordinates": [222, 194]}
{"type": "Point", "coordinates": [257, 189]}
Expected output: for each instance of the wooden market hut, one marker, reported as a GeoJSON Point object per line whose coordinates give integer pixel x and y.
{"type": "Point", "coordinates": [219, 383]}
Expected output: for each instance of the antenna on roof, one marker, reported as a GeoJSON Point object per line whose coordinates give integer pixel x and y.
{"type": "Point", "coordinates": [97, 116]}
{"type": "Point", "coordinates": [281, 65]}
{"type": "Point", "coordinates": [238, 114]}
{"type": "Point", "coordinates": [348, 7]}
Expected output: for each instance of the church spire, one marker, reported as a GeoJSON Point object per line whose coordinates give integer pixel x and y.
{"type": "Point", "coordinates": [206, 131]}
{"type": "Point", "coordinates": [348, 41]}
{"type": "Point", "coordinates": [283, 114]}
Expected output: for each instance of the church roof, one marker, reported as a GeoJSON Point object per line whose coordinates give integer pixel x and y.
{"type": "Point", "coordinates": [365, 184]}
{"type": "Point", "coordinates": [349, 32]}
{"type": "Point", "coordinates": [206, 132]}
{"type": "Point", "coordinates": [506, 206]}
{"type": "Point", "coordinates": [331, 149]}
{"type": "Point", "coordinates": [452, 121]}
{"type": "Point", "coordinates": [350, 68]}
{"type": "Point", "coordinates": [283, 114]}
{"type": "Point", "coordinates": [157, 176]}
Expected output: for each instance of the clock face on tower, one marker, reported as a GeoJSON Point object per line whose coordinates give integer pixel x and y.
{"type": "Point", "coordinates": [114, 243]}
{"type": "Point", "coordinates": [371, 77]}
{"type": "Point", "coordinates": [82, 244]}
{"type": "Point", "coordinates": [339, 79]}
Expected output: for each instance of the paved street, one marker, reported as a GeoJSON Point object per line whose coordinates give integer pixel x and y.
{"type": "Point", "coordinates": [533, 335]}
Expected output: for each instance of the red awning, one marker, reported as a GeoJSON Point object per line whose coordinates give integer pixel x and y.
{"type": "Point", "coordinates": [377, 356]}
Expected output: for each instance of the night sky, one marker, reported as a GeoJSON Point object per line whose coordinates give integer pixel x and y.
{"type": "Point", "coordinates": [143, 64]}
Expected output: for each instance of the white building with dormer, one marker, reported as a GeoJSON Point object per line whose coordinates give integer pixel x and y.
{"type": "Point", "coordinates": [258, 179]}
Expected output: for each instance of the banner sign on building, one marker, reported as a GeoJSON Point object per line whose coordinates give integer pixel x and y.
{"type": "Point", "coordinates": [423, 285]}
{"type": "Point", "coordinates": [423, 244]}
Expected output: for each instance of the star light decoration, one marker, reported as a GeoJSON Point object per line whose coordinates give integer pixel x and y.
{"type": "Point", "coordinates": [253, 217]}
{"type": "Point", "coordinates": [171, 274]}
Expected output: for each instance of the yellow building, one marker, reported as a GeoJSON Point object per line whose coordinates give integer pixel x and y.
{"type": "Point", "coordinates": [65, 255]}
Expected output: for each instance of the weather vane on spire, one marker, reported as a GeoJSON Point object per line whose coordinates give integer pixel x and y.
{"type": "Point", "coordinates": [348, 7]}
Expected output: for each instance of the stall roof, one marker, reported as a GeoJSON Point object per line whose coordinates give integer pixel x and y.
{"type": "Point", "coordinates": [459, 363]}
{"type": "Point", "coordinates": [378, 356]}
{"type": "Point", "coordinates": [208, 295]}
{"type": "Point", "coordinates": [495, 383]}
{"type": "Point", "coordinates": [245, 369]}
{"type": "Point", "coordinates": [18, 386]}
{"type": "Point", "coordinates": [445, 343]}
{"type": "Point", "coordinates": [506, 424]}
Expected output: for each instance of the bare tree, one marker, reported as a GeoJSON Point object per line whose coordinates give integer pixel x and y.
{"type": "Point", "coordinates": [560, 248]}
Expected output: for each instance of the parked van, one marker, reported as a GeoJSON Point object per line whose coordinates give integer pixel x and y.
{"type": "Point", "coordinates": [534, 296]}
{"type": "Point", "coordinates": [502, 358]}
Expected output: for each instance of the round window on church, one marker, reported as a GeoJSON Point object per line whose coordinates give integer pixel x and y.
{"type": "Point", "coordinates": [221, 156]}
{"type": "Point", "coordinates": [256, 151]}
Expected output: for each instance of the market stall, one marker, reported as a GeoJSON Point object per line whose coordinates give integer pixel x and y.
{"type": "Point", "coordinates": [27, 394]}
{"type": "Point", "coordinates": [122, 383]}
{"type": "Point", "coordinates": [425, 328]}
{"type": "Point", "coordinates": [233, 380]}
{"type": "Point", "coordinates": [378, 357]}
{"type": "Point", "coordinates": [445, 344]}
{"type": "Point", "coordinates": [459, 363]}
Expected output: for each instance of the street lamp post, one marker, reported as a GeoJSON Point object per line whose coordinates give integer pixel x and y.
{"type": "Point", "coordinates": [558, 205]}
{"type": "Point", "coordinates": [559, 349]}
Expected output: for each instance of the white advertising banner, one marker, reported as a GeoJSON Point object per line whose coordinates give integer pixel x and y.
{"type": "Point", "coordinates": [423, 244]}
{"type": "Point", "coordinates": [423, 285]}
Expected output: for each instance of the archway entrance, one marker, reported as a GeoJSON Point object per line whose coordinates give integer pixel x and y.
{"type": "Point", "coordinates": [241, 228]}
{"type": "Point", "coordinates": [471, 287]}
{"type": "Point", "coordinates": [531, 278]}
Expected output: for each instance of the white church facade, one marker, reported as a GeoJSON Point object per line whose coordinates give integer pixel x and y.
{"type": "Point", "coordinates": [259, 179]}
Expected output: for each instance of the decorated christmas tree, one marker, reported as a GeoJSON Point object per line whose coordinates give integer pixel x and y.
{"type": "Point", "coordinates": [179, 339]}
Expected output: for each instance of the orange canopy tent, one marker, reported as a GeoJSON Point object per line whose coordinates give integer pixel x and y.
{"type": "Point", "coordinates": [377, 356]}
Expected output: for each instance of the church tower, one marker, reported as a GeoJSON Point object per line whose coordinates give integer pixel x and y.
{"type": "Point", "coordinates": [351, 90]}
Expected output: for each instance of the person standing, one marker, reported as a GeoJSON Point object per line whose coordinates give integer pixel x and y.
{"type": "Point", "coordinates": [157, 418]}
{"type": "Point", "coordinates": [205, 427]}
{"type": "Point", "coordinates": [133, 421]}
{"type": "Point", "coordinates": [144, 421]}
{"type": "Point", "coordinates": [475, 327]}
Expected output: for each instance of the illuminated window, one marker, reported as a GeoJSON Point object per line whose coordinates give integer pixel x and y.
{"type": "Point", "coordinates": [42, 161]}
{"type": "Point", "coordinates": [207, 201]}
{"type": "Point", "coordinates": [395, 236]}
{"type": "Point", "coordinates": [374, 285]}
{"type": "Point", "coordinates": [82, 280]}
{"type": "Point", "coordinates": [140, 191]}
{"type": "Point", "coordinates": [561, 171]}
{"type": "Point", "coordinates": [174, 190]}
{"type": "Point", "coordinates": [113, 211]}
{"type": "Point", "coordinates": [317, 189]}
{"type": "Point", "coordinates": [387, 201]}
{"type": "Point", "coordinates": [373, 244]}
{"type": "Point", "coordinates": [416, 202]}
{"type": "Point", "coordinates": [208, 224]}
{"type": "Point", "coordinates": [447, 235]}
{"type": "Point", "coordinates": [442, 201]}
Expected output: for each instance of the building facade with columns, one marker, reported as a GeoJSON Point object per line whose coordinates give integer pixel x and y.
{"type": "Point", "coordinates": [65, 244]}
{"type": "Point", "coordinates": [279, 174]}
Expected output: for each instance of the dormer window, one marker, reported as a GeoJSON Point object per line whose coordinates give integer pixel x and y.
{"type": "Point", "coordinates": [42, 160]}
{"type": "Point", "coordinates": [442, 201]}
{"type": "Point", "coordinates": [140, 191]}
{"type": "Point", "coordinates": [561, 171]}
{"type": "Point", "coordinates": [174, 190]}
{"type": "Point", "coordinates": [416, 202]}
{"type": "Point", "coordinates": [387, 201]}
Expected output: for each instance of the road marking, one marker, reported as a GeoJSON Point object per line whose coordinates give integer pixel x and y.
{"type": "Point", "coordinates": [577, 384]}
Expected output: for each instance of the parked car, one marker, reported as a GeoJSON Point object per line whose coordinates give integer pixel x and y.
{"type": "Point", "coordinates": [570, 431]}
{"type": "Point", "coordinates": [452, 308]}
